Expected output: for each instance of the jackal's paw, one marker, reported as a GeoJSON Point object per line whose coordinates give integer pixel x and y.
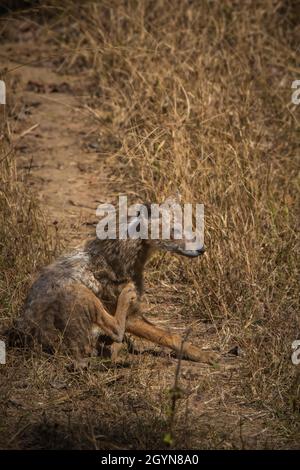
{"type": "Point", "coordinates": [198, 355]}
{"type": "Point", "coordinates": [128, 295]}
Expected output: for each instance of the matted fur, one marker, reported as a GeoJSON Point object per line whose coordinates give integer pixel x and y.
{"type": "Point", "coordinates": [96, 290]}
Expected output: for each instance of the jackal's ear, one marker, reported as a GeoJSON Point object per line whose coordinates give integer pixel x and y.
{"type": "Point", "coordinates": [148, 206]}
{"type": "Point", "coordinates": [173, 199]}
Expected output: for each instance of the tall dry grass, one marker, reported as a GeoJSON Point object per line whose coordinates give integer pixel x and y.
{"type": "Point", "coordinates": [26, 242]}
{"type": "Point", "coordinates": [197, 97]}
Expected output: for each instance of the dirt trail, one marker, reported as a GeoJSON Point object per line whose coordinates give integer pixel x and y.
{"type": "Point", "coordinates": [51, 136]}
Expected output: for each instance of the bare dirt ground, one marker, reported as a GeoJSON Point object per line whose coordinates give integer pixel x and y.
{"type": "Point", "coordinates": [126, 406]}
{"type": "Point", "coordinates": [51, 136]}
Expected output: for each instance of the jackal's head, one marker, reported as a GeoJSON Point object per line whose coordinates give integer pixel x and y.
{"type": "Point", "coordinates": [169, 227]}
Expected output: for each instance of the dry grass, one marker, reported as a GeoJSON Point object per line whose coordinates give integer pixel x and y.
{"type": "Point", "coordinates": [25, 242]}
{"type": "Point", "coordinates": [200, 99]}
{"type": "Point", "coordinates": [195, 97]}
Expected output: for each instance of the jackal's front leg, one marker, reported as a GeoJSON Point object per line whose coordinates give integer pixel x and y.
{"type": "Point", "coordinates": [114, 325]}
{"type": "Point", "coordinates": [140, 327]}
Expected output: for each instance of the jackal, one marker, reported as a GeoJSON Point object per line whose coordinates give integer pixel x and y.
{"type": "Point", "coordinates": [96, 291]}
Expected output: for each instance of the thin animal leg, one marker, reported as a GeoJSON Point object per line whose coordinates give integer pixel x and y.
{"type": "Point", "coordinates": [144, 329]}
